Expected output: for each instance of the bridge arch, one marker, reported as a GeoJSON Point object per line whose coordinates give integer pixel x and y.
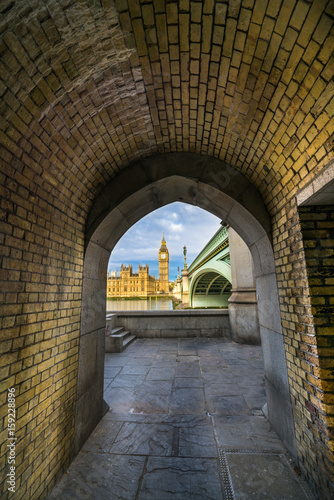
{"type": "Point", "coordinates": [144, 187]}
{"type": "Point", "coordinates": [212, 273]}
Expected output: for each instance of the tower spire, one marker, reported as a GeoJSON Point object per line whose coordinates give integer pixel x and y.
{"type": "Point", "coordinates": [163, 266]}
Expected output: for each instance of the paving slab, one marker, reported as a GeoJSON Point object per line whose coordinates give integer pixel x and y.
{"type": "Point", "coordinates": [141, 361]}
{"type": "Point", "coordinates": [187, 358]}
{"type": "Point", "coordinates": [172, 345]}
{"type": "Point", "coordinates": [127, 380]}
{"type": "Point", "coordinates": [249, 379]}
{"type": "Point", "coordinates": [227, 405]}
{"type": "Point", "coordinates": [159, 387]}
{"type": "Point", "coordinates": [99, 476]}
{"type": "Point", "coordinates": [197, 441]}
{"type": "Point", "coordinates": [165, 357]}
{"type": "Point", "coordinates": [110, 372]}
{"type": "Point", "coordinates": [165, 373]}
{"type": "Point", "coordinates": [246, 431]}
{"type": "Point", "coordinates": [187, 401]}
{"type": "Point", "coordinates": [186, 369]}
{"type": "Point", "coordinates": [151, 404]}
{"type": "Point", "coordinates": [143, 439]}
{"type": "Point", "coordinates": [234, 359]}
{"type": "Point", "coordinates": [146, 353]}
{"type": "Point", "coordinates": [103, 436]}
{"type": "Point", "coordinates": [222, 389]}
{"type": "Point", "coordinates": [212, 363]}
{"type": "Point", "coordinates": [218, 376]}
{"type": "Point", "coordinates": [120, 399]}
{"type": "Point", "coordinates": [112, 360]}
{"type": "Point", "coordinates": [254, 395]}
{"type": "Point", "coordinates": [153, 396]}
{"type": "Point", "coordinates": [135, 369]}
{"type": "Point", "coordinates": [189, 382]}
{"type": "Point", "coordinates": [181, 479]}
{"type": "Point", "coordinates": [187, 350]}
{"type": "Point", "coordinates": [184, 424]}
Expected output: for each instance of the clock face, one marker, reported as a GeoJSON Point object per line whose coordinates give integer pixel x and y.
{"type": "Point", "coordinates": [163, 255]}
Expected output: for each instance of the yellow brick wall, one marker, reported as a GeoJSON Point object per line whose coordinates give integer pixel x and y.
{"type": "Point", "coordinates": [317, 224]}
{"type": "Point", "coordinates": [304, 264]}
{"type": "Point", "coordinates": [41, 277]}
{"type": "Point", "coordinates": [84, 96]}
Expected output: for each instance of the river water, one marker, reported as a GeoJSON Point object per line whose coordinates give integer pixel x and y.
{"type": "Point", "coordinates": [149, 304]}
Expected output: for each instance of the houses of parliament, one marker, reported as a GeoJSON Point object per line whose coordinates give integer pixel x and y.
{"type": "Point", "coordinates": [140, 284]}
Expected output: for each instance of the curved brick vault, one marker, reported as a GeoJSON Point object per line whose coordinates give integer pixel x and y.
{"type": "Point", "coordinates": [89, 88]}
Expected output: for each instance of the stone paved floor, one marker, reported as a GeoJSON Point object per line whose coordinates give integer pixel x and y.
{"type": "Point", "coordinates": [185, 423]}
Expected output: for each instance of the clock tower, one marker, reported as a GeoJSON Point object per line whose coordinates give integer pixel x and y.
{"type": "Point", "coordinates": [163, 267]}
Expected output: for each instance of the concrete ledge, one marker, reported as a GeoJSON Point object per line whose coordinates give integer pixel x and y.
{"type": "Point", "coordinates": [182, 323]}
{"type": "Point", "coordinates": [169, 313]}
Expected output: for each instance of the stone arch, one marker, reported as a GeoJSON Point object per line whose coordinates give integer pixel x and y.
{"type": "Point", "coordinates": [144, 187]}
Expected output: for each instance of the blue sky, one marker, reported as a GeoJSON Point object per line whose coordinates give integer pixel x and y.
{"type": "Point", "coordinates": [182, 224]}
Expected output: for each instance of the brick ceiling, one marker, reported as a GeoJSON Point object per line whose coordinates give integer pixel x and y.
{"type": "Point", "coordinates": [88, 87]}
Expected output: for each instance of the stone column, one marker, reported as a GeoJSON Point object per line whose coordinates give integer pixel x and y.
{"type": "Point", "coordinates": [90, 406]}
{"type": "Point", "coordinates": [244, 320]}
{"type": "Point", "coordinates": [185, 287]}
{"type": "Point", "coordinates": [177, 288]}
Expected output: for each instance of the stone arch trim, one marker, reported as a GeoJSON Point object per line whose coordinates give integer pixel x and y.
{"type": "Point", "coordinates": [146, 186]}
{"type": "Point", "coordinates": [203, 177]}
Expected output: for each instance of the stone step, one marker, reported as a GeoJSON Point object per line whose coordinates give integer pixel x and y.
{"type": "Point", "coordinates": [121, 334]}
{"type": "Point", "coordinates": [128, 340]}
{"type": "Point", "coordinates": [118, 340]}
{"type": "Point", "coordinates": [116, 331]}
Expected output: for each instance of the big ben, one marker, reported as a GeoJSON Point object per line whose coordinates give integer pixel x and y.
{"type": "Point", "coordinates": [163, 267]}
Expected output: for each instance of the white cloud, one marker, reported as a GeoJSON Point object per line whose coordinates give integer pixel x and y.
{"type": "Point", "coordinates": [181, 224]}
{"type": "Point", "coordinates": [176, 228]}
{"type": "Point", "coordinates": [189, 208]}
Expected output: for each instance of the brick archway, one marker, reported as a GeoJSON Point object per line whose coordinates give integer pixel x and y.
{"type": "Point", "coordinates": [148, 185]}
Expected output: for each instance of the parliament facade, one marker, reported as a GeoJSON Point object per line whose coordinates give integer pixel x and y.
{"type": "Point", "coordinates": [140, 284]}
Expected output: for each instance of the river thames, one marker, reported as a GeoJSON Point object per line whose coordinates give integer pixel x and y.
{"type": "Point", "coordinates": [149, 304]}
